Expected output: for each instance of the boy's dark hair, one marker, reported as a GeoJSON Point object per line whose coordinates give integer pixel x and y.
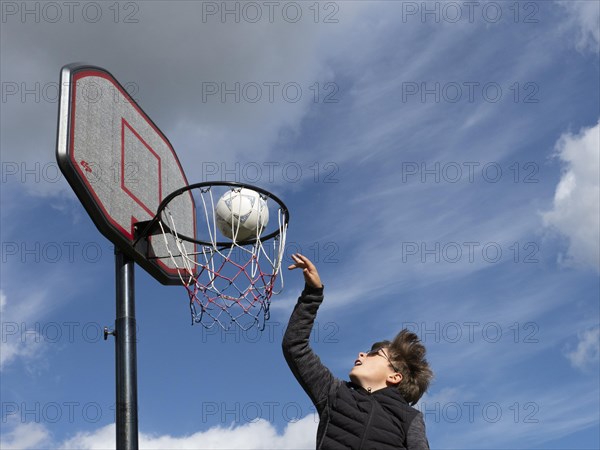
{"type": "Point", "coordinates": [407, 354]}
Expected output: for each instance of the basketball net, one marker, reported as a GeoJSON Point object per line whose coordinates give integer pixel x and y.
{"type": "Point", "coordinates": [227, 284]}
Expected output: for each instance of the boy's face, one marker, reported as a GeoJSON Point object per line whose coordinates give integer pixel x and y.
{"type": "Point", "coordinates": [373, 369]}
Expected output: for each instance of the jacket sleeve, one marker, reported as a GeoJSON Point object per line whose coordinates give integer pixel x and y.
{"type": "Point", "coordinates": [416, 439]}
{"type": "Point", "coordinates": [313, 376]}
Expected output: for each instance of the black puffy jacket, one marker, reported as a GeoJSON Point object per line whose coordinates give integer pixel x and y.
{"type": "Point", "coordinates": [350, 417]}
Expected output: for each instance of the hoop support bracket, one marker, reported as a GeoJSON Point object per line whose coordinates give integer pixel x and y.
{"type": "Point", "coordinates": [109, 332]}
{"type": "Point", "coordinates": [146, 228]}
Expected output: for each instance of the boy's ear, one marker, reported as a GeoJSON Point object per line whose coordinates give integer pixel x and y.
{"type": "Point", "coordinates": [394, 379]}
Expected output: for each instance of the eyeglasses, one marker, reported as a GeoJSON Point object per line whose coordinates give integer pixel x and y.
{"type": "Point", "coordinates": [379, 352]}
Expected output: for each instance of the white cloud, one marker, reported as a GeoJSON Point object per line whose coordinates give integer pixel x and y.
{"type": "Point", "coordinates": [587, 351]}
{"type": "Point", "coordinates": [585, 17]}
{"type": "Point", "coordinates": [576, 212]}
{"type": "Point", "coordinates": [24, 436]}
{"type": "Point", "coordinates": [256, 435]}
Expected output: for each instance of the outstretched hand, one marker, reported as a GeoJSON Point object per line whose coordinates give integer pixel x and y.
{"type": "Point", "coordinates": [311, 276]}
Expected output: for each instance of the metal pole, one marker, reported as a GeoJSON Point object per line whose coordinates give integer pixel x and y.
{"type": "Point", "coordinates": [125, 355]}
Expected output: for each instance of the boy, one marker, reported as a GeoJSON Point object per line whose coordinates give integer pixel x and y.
{"type": "Point", "coordinates": [372, 410]}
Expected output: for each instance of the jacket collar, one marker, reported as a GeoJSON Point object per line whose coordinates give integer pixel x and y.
{"type": "Point", "coordinates": [386, 392]}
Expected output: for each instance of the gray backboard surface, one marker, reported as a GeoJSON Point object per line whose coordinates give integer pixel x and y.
{"type": "Point", "coordinates": [121, 166]}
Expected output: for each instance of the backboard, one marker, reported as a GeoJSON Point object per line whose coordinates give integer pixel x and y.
{"type": "Point", "coordinates": [120, 166]}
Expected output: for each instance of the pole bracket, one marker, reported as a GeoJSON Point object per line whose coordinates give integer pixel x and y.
{"type": "Point", "coordinates": [107, 332]}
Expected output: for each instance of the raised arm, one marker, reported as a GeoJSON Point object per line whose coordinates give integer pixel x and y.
{"type": "Point", "coordinates": [416, 438]}
{"type": "Point", "coordinates": [313, 376]}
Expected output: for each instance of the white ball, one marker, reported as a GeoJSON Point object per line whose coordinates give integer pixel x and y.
{"type": "Point", "coordinates": [241, 214]}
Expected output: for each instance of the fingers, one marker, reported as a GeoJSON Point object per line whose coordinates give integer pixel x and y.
{"type": "Point", "coordinates": [302, 262]}
{"type": "Point", "coordinates": [309, 270]}
{"type": "Point", "coordinates": [301, 258]}
{"type": "Point", "coordinates": [298, 263]}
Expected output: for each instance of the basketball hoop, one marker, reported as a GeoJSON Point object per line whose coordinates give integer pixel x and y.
{"type": "Point", "coordinates": [228, 281]}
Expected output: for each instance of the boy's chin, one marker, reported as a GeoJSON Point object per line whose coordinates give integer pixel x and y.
{"type": "Point", "coordinates": [354, 378]}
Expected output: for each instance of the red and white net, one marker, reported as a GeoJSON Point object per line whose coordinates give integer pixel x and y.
{"type": "Point", "coordinates": [227, 282]}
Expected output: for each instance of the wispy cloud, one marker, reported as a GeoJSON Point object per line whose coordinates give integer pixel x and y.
{"type": "Point", "coordinates": [39, 275]}
{"type": "Point", "coordinates": [586, 353]}
{"type": "Point", "coordinates": [510, 418]}
{"type": "Point", "coordinates": [583, 20]}
{"type": "Point", "coordinates": [18, 343]}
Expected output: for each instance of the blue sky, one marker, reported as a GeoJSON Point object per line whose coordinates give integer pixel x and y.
{"type": "Point", "coordinates": [448, 183]}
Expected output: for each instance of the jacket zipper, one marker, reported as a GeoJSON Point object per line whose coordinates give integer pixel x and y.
{"type": "Point", "coordinates": [362, 441]}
